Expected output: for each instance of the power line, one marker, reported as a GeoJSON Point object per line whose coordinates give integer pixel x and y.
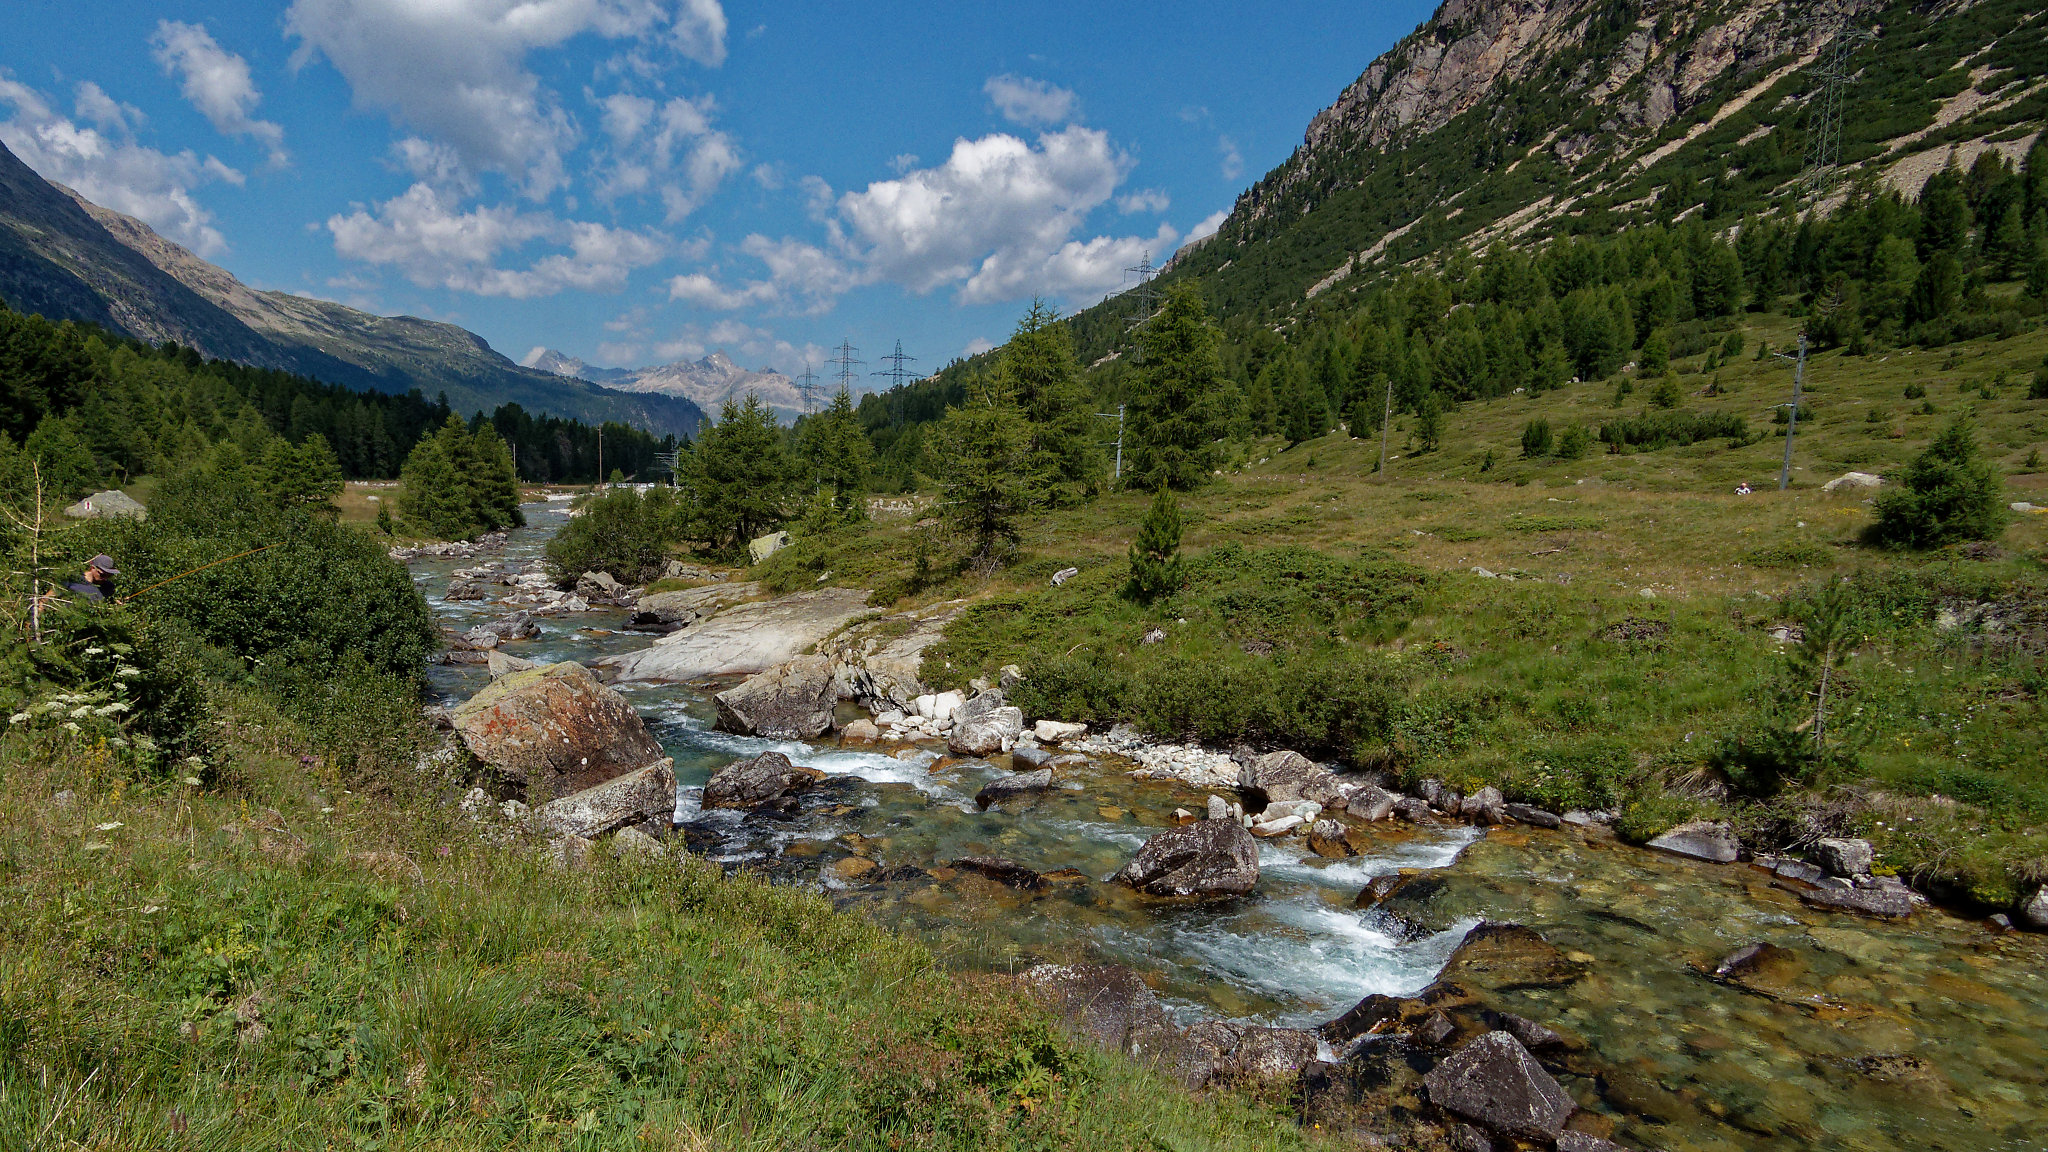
{"type": "Point", "coordinates": [807, 386]}
{"type": "Point", "coordinates": [1143, 292]}
{"type": "Point", "coordinates": [846, 360]}
{"type": "Point", "coordinates": [1824, 119]}
{"type": "Point", "coordinates": [896, 372]}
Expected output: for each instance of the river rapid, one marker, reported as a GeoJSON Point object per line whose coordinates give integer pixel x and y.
{"type": "Point", "coordinates": [1927, 1035]}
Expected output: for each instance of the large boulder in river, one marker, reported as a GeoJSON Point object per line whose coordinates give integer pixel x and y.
{"type": "Point", "coordinates": [1504, 957]}
{"type": "Point", "coordinates": [1494, 1081]}
{"type": "Point", "coordinates": [1015, 784]}
{"type": "Point", "coordinates": [985, 726]}
{"type": "Point", "coordinates": [790, 701]}
{"type": "Point", "coordinates": [554, 730]}
{"type": "Point", "coordinates": [638, 797]}
{"type": "Point", "coordinates": [753, 783]}
{"type": "Point", "coordinates": [1292, 776]}
{"type": "Point", "coordinates": [1206, 858]}
{"type": "Point", "coordinates": [747, 638]}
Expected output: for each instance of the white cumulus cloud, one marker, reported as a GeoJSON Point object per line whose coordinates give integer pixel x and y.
{"type": "Point", "coordinates": [215, 81]}
{"type": "Point", "coordinates": [1143, 200]}
{"type": "Point", "coordinates": [108, 167]}
{"type": "Point", "coordinates": [997, 221]}
{"type": "Point", "coordinates": [1209, 225]}
{"type": "Point", "coordinates": [1032, 103]}
{"type": "Point", "coordinates": [670, 149]}
{"type": "Point", "coordinates": [454, 71]}
{"type": "Point", "coordinates": [423, 236]}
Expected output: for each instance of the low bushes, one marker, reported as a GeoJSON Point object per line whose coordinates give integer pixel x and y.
{"type": "Point", "coordinates": [1654, 430]}
{"type": "Point", "coordinates": [624, 532]}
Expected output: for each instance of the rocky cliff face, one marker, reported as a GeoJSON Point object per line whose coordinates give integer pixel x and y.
{"type": "Point", "coordinates": [1641, 66]}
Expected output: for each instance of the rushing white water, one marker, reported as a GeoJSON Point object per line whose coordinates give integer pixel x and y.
{"type": "Point", "coordinates": [1296, 951]}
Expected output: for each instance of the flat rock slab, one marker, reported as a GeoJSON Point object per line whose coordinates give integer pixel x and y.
{"type": "Point", "coordinates": [1700, 840]}
{"type": "Point", "coordinates": [1885, 903]}
{"type": "Point", "coordinates": [744, 639]}
{"type": "Point", "coordinates": [1016, 784]}
{"type": "Point", "coordinates": [554, 730]}
{"type": "Point", "coordinates": [1494, 1081]}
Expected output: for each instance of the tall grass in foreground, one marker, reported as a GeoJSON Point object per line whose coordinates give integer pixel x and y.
{"type": "Point", "coordinates": [268, 968]}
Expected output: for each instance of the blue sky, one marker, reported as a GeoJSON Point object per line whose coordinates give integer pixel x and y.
{"type": "Point", "coordinates": [636, 181]}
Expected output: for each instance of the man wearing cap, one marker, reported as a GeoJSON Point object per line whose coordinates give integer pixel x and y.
{"type": "Point", "coordinates": [98, 581]}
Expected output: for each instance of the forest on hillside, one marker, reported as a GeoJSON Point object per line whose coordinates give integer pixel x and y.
{"type": "Point", "coordinates": [100, 410]}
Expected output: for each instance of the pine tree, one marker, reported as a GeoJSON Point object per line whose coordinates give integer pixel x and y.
{"type": "Point", "coordinates": [1307, 413]}
{"type": "Point", "coordinates": [494, 482]}
{"type": "Point", "coordinates": [1040, 371]}
{"type": "Point", "coordinates": [836, 450]}
{"type": "Point", "coordinates": [1655, 356]}
{"type": "Point", "coordinates": [307, 476]}
{"type": "Point", "coordinates": [1429, 422]}
{"type": "Point", "coordinates": [738, 478]}
{"type": "Point", "coordinates": [431, 494]}
{"type": "Point", "coordinates": [1176, 414]}
{"type": "Point", "coordinates": [983, 459]}
{"type": "Point", "coordinates": [1155, 554]}
{"type": "Point", "coordinates": [1949, 494]}
{"type": "Point", "coordinates": [1261, 404]}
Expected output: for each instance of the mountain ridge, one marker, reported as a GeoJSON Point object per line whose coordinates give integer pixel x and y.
{"type": "Point", "coordinates": [69, 259]}
{"type": "Point", "coordinates": [708, 381]}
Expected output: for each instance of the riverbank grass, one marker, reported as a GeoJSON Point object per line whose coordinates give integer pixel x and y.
{"type": "Point", "coordinates": [278, 964]}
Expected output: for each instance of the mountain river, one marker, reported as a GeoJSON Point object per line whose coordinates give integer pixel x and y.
{"type": "Point", "coordinates": [1874, 1037]}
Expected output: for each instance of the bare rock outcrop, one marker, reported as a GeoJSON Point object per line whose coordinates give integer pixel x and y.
{"type": "Point", "coordinates": [745, 638]}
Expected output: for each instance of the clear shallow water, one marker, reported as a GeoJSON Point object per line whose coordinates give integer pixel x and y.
{"type": "Point", "coordinates": [1932, 1035]}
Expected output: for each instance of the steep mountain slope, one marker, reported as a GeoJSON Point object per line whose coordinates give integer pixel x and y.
{"type": "Point", "coordinates": [1519, 120]}
{"type": "Point", "coordinates": [67, 258]}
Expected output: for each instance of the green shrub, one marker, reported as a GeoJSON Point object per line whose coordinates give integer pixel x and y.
{"type": "Point", "coordinates": [1650, 813]}
{"type": "Point", "coordinates": [1555, 524]}
{"type": "Point", "coordinates": [624, 533]}
{"type": "Point", "coordinates": [1665, 393]}
{"type": "Point", "coordinates": [1156, 568]}
{"type": "Point", "coordinates": [1575, 443]}
{"type": "Point", "coordinates": [1536, 438]}
{"type": "Point", "coordinates": [317, 592]}
{"type": "Point", "coordinates": [1583, 774]}
{"type": "Point", "coordinates": [1657, 430]}
{"type": "Point", "coordinates": [1948, 494]}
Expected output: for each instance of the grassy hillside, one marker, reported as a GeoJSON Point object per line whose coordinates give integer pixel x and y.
{"type": "Point", "coordinates": [275, 962]}
{"type": "Point", "coordinates": [1619, 655]}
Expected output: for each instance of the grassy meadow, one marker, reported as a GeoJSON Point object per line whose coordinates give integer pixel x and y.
{"type": "Point", "coordinates": [1621, 654]}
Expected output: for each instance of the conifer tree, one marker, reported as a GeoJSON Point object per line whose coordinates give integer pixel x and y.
{"type": "Point", "coordinates": [306, 476]}
{"type": "Point", "coordinates": [1261, 404]}
{"type": "Point", "coordinates": [1039, 370]}
{"type": "Point", "coordinates": [431, 494]}
{"type": "Point", "coordinates": [494, 483]}
{"type": "Point", "coordinates": [836, 450]}
{"type": "Point", "coordinates": [738, 477]}
{"type": "Point", "coordinates": [1155, 554]}
{"type": "Point", "coordinates": [983, 459]}
{"type": "Point", "coordinates": [1176, 415]}
{"type": "Point", "coordinates": [1949, 494]}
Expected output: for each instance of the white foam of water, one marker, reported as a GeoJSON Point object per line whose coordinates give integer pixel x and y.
{"type": "Point", "coordinates": [1304, 952]}
{"type": "Point", "coordinates": [1287, 860]}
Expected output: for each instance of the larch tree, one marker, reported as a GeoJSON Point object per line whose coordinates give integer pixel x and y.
{"type": "Point", "coordinates": [1176, 413]}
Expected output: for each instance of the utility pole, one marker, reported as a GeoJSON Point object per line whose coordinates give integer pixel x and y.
{"type": "Point", "coordinates": [1824, 120]}
{"type": "Point", "coordinates": [1118, 476]}
{"type": "Point", "coordinates": [1386, 421]}
{"type": "Point", "coordinates": [1792, 420]}
{"type": "Point", "coordinates": [896, 372]}
{"type": "Point", "coordinates": [846, 361]}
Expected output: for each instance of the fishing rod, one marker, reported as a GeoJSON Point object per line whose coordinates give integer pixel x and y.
{"type": "Point", "coordinates": [193, 572]}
